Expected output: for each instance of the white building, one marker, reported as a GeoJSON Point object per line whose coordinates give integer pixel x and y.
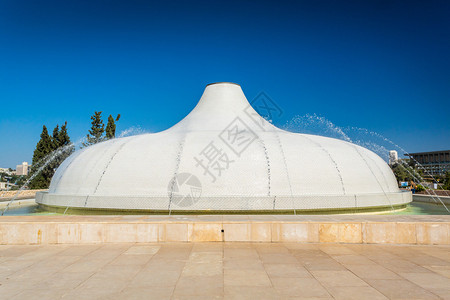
{"type": "Point", "coordinates": [393, 157]}
{"type": "Point", "coordinates": [6, 171]}
{"type": "Point", "coordinates": [224, 157]}
{"type": "Point", "coordinates": [22, 169]}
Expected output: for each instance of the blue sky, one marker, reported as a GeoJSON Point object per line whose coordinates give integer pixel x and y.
{"type": "Point", "coordinates": [381, 65]}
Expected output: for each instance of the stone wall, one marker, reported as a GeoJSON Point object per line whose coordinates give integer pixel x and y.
{"type": "Point", "coordinates": [25, 194]}
{"type": "Point", "coordinates": [431, 199]}
{"type": "Point", "coordinates": [422, 230]}
{"type": "Point", "coordinates": [437, 192]}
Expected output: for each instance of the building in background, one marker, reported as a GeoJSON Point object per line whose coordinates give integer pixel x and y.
{"type": "Point", "coordinates": [6, 171]}
{"type": "Point", "coordinates": [22, 169]}
{"type": "Point", "coordinates": [434, 163]}
{"type": "Point", "coordinates": [5, 186]}
{"type": "Point", "coordinates": [393, 157]}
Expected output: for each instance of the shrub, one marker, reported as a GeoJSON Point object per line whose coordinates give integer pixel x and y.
{"type": "Point", "coordinates": [420, 188]}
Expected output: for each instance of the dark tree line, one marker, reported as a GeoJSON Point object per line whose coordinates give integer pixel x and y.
{"type": "Point", "coordinates": [98, 129]}
{"type": "Point", "coordinates": [54, 149]}
{"type": "Point", "coordinates": [446, 181]}
{"type": "Point", "coordinates": [407, 172]}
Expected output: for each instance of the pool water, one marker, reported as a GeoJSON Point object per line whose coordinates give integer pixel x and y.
{"type": "Point", "coordinates": [414, 208]}
{"type": "Point", "coordinates": [26, 210]}
{"type": "Point", "coordinates": [421, 208]}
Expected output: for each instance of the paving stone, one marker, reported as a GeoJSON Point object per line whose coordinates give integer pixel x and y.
{"type": "Point", "coordinates": [353, 260]}
{"type": "Point", "coordinates": [246, 278]}
{"type": "Point", "coordinates": [372, 272]}
{"type": "Point", "coordinates": [400, 289]}
{"type": "Point", "coordinates": [145, 293]}
{"type": "Point", "coordinates": [203, 269]}
{"type": "Point", "coordinates": [300, 287]}
{"type": "Point", "coordinates": [41, 293]}
{"type": "Point", "coordinates": [357, 293]}
{"type": "Point", "coordinates": [251, 292]}
{"type": "Point", "coordinates": [338, 278]}
{"type": "Point", "coordinates": [224, 270]}
{"type": "Point", "coordinates": [442, 270]}
{"type": "Point", "coordinates": [161, 278]}
{"type": "Point", "coordinates": [208, 286]}
{"type": "Point", "coordinates": [286, 270]}
{"type": "Point", "coordinates": [428, 280]}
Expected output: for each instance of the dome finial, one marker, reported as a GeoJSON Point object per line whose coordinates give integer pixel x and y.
{"type": "Point", "coordinates": [222, 82]}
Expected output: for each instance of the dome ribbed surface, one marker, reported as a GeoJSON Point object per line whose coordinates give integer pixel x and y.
{"type": "Point", "coordinates": [224, 156]}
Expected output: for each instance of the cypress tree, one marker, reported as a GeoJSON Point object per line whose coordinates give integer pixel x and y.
{"type": "Point", "coordinates": [55, 138]}
{"type": "Point", "coordinates": [64, 138]}
{"type": "Point", "coordinates": [111, 127]}
{"type": "Point", "coordinates": [53, 165]}
{"type": "Point", "coordinates": [97, 129]}
{"type": "Point", "coordinates": [46, 145]}
{"type": "Point", "coordinates": [61, 142]}
{"type": "Point", "coordinates": [43, 148]}
{"type": "Point", "coordinates": [64, 141]}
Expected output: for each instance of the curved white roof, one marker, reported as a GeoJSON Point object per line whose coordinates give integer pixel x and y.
{"type": "Point", "coordinates": [224, 156]}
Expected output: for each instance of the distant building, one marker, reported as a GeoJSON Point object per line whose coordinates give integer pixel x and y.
{"type": "Point", "coordinates": [393, 157]}
{"type": "Point", "coordinates": [22, 169]}
{"type": "Point", "coordinates": [434, 163]}
{"type": "Point", "coordinates": [6, 171]}
{"type": "Point", "coordinates": [6, 185]}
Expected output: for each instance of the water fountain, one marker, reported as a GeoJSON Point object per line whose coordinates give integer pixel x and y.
{"type": "Point", "coordinates": [44, 162]}
{"type": "Point", "coordinates": [320, 125]}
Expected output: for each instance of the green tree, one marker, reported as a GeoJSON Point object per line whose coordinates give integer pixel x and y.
{"type": "Point", "coordinates": [97, 129]}
{"type": "Point", "coordinates": [43, 148]}
{"type": "Point", "coordinates": [111, 127]}
{"type": "Point", "coordinates": [64, 140]}
{"type": "Point", "coordinates": [61, 143]}
{"type": "Point", "coordinates": [55, 148]}
{"type": "Point", "coordinates": [55, 138]}
{"type": "Point", "coordinates": [446, 183]}
{"type": "Point", "coordinates": [53, 165]}
{"type": "Point", "coordinates": [404, 172]}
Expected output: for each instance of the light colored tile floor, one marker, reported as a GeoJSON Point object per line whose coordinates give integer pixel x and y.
{"type": "Point", "coordinates": [224, 271]}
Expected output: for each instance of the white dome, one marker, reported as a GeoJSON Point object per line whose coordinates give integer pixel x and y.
{"type": "Point", "coordinates": [224, 156]}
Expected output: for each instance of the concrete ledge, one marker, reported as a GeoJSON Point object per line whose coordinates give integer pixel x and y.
{"type": "Point", "coordinates": [423, 230]}
{"type": "Point", "coordinates": [431, 199]}
{"type": "Point", "coordinates": [327, 211]}
{"type": "Point", "coordinates": [314, 204]}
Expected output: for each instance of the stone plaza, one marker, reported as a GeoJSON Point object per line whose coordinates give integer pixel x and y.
{"type": "Point", "coordinates": [224, 271]}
